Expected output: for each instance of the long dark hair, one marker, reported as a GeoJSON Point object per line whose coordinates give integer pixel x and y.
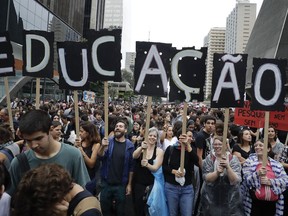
{"type": "Point", "coordinates": [94, 136]}
{"type": "Point", "coordinates": [240, 136]}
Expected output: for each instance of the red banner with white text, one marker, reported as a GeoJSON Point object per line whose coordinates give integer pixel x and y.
{"type": "Point", "coordinates": [255, 118]}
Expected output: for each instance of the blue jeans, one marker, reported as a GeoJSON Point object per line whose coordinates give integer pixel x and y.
{"type": "Point", "coordinates": [110, 193]}
{"type": "Point", "coordinates": [178, 196]}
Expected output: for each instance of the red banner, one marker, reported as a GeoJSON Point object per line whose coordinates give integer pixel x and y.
{"type": "Point", "coordinates": [255, 118]}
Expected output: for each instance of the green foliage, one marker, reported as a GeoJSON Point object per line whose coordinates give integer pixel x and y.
{"type": "Point", "coordinates": [97, 87]}
{"type": "Point", "coordinates": [128, 77]}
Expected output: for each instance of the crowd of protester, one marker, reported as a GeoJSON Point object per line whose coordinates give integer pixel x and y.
{"type": "Point", "coordinates": [46, 169]}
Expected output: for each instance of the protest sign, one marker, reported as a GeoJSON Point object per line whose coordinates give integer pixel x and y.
{"type": "Point", "coordinates": [256, 118]}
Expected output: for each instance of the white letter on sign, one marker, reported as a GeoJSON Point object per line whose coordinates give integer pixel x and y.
{"type": "Point", "coordinates": [45, 60]}
{"type": "Point", "coordinates": [95, 46]}
{"type": "Point", "coordinates": [175, 76]}
{"type": "Point", "coordinates": [278, 84]}
{"type": "Point", "coordinates": [4, 56]}
{"type": "Point", "coordinates": [66, 77]}
{"type": "Point", "coordinates": [153, 53]}
{"type": "Point", "coordinates": [228, 68]}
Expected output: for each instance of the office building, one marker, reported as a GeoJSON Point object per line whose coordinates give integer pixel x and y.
{"type": "Point", "coordinates": [94, 15]}
{"type": "Point", "coordinates": [130, 61]}
{"type": "Point", "coordinates": [215, 41]}
{"type": "Point", "coordinates": [113, 15]}
{"type": "Point", "coordinates": [239, 25]}
{"type": "Point", "coordinates": [65, 18]}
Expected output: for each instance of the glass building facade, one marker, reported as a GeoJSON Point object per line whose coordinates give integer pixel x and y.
{"type": "Point", "coordinates": [65, 18]}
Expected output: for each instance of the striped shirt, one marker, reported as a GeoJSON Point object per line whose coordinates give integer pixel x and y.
{"type": "Point", "coordinates": [251, 180]}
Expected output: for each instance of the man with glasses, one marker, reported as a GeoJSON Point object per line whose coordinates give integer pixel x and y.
{"type": "Point", "coordinates": [34, 129]}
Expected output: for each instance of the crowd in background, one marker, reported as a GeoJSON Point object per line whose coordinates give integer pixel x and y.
{"type": "Point", "coordinates": [124, 165]}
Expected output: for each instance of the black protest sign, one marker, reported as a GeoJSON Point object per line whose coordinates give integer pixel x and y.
{"type": "Point", "coordinates": [6, 56]}
{"type": "Point", "coordinates": [151, 68]}
{"type": "Point", "coordinates": [268, 78]}
{"type": "Point", "coordinates": [228, 80]}
{"type": "Point", "coordinates": [188, 70]}
{"type": "Point", "coordinates": [38, 54]}
{"type": "Point", "coordinates": [104, 57]}
{"type": "Point", "coordinates": [73, 65]}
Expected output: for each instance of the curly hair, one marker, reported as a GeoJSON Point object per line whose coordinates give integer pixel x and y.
{"type": "Point", "coordinates": [40, 189]}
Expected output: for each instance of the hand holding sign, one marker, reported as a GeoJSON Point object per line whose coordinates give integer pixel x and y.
{"type": "Point", "coordinates": [144, 145]}
{"type": "Point", "coordinates": [183, 139]}
{"type": "Point", "coordinates": [105, 142]}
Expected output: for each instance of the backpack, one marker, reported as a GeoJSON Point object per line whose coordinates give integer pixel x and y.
{"type": "Point", "coordinates": [7, 152]}
{"type": "Point", "coordinates": [83, 202]}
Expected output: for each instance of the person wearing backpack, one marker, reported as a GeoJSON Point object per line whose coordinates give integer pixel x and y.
{"type": "Point", "coordinates": [5, 199]}
{"type": "Point", "coordinates": [50, 190]}
{"type": "Point", "coordinates": [35, 129]}
{"type": "Point", "coordinates": [8, 148]}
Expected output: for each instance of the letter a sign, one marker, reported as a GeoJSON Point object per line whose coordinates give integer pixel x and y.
{"type": "Point", "coordinates": [228, 80]}
{"type": "Point", "coordinates": [151, 68]}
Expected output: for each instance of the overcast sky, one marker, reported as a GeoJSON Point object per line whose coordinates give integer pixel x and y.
{"type": "Point", "coordinates": [184, 23]}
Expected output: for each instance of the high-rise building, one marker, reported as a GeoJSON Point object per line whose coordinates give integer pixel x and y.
{"type": "Point", "coordinates": [269, 38]}
{"type": "Point", "coordinates": [215, 41]}
{"type": "Point", "coordinates": [94, 15]}
{"type": "Point", "coordinates": [113, 15]}
{"type": "Point", "coordinates": [239, 25]}
{"type": "Point", "coordinates": [130, 61]}
{"type": "Point", "coordinates": [232, 39]}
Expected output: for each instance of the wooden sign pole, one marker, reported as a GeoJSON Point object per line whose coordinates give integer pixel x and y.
{"type": "Point", "coordinates": [265, 150]}
{"type": "Point", "coordinates": [149, 103]}
{"type": "Point", "coordinates": [77, 121]}
{"type": "Point", "coordinates": [257, 133]}
{"type": "Point", "coordinates": [37, 98]}
{"type": "Point", "coordinates": [106, 109]}
{"type": "Point", "coordinates": [8, 101]}
{"type": "Point", "coordinates": [184, 126]}
{"type": "Point", "coordinates": [225, 132]}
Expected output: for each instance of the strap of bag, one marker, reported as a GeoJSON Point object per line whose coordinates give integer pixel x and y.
{"type": "Point", "coordinates": [83, 202]}
{"type": "Point", "coordinates": [87, 204]}
{"type": "Point", "coordinates": [8, 153]}
{"type": "Point", "coordinates": [23, 163]}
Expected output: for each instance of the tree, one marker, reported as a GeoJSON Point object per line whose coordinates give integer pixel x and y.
{"type": "Point", "coordinates": [128, 77]}
{"type": "Point", "coordinates": [97, 87]}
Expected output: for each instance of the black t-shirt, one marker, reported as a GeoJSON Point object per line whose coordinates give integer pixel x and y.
{"type": "Point", "coordinates": [242, 152]}
{"type": "Point", "coordinates": [142, 175]}
{"type": "Point", "coordinates": [171, 161]}
{"type": "Point", "coordinates": [116, 168]}
{"type": "Point", "coordinates": [201, 142]}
